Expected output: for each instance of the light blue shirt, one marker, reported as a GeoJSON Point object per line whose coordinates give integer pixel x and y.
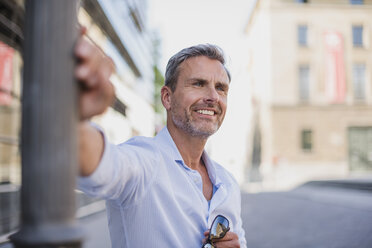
{"type": "Point", "coordinates": [154, 199]}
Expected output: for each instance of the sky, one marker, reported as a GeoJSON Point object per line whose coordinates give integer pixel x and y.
{"type": "Point", "coordinates": [183, 23]}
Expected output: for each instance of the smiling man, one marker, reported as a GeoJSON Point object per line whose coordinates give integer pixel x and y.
{"type": "Point", "coordinates": [163, 191]}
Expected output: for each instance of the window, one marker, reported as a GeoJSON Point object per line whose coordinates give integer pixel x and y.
{"type": "Point", "coordinates": [135, 18]}
{"type": "Point", "coordinates": [302, 35]}
{"type": "Point", "coordinates": [357, 35]}
{"type": "Point", "coordinates": [307, 140]}
{"type": "Point", "coordinates": [359, 81]}
{"type": "Point", "coordinates": [360, 148]}
{"type": "Point", "coordinates": [303, 81]}
{"type": "Point", "coordinates": [355, 2]}
{"type": "Point", "coordinates": [10, 91]}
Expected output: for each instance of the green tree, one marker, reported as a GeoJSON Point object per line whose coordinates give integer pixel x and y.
{"type": "Point", "coordinates": [158, 83]}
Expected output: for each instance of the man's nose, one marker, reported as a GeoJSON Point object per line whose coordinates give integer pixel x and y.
{"type": "Point", "coordinates": [211, 95]}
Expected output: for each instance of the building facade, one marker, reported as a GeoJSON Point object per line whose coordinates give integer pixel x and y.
{"type": "Point", "coordinates": [310, 68]}
{"type": "Point", "coordinates": [119, 28]}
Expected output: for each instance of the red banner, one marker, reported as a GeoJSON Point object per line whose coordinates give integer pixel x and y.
{"type": "Point", "coordinates": [6, 73]}
{"type": "Point", "coordinates": [335, 84]}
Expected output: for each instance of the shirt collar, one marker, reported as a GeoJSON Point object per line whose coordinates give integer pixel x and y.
{"type": "Point", "coordinates": [166, 142]}
{"type": "Point", "coordinates": [209, 164]}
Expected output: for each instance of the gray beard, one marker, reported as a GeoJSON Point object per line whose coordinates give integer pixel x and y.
{"type": "Point", "coordinates": [188, 127]}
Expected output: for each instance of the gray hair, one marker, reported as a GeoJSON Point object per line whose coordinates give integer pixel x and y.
{"type": "Point", "coordinates": [208, 50]}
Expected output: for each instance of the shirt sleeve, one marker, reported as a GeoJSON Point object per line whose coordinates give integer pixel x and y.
{"type": "Point", "coordinates": [123, 174]}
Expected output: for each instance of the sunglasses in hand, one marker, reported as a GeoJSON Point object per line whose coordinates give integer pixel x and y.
{"type": "Point", "coordinates": [218, 230]}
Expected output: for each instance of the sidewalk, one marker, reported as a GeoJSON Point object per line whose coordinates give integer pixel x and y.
{"type": "Point", "coordinates": [91, 215]}
{"type": "Point", "coordinates": [95, 229]}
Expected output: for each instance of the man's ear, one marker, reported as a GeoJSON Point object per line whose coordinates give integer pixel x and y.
{"type": "Point", "coordinates": [166, 94]}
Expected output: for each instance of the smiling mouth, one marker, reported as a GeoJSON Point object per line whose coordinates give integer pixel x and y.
{"type": "Point", "coordinates": [206, 112]}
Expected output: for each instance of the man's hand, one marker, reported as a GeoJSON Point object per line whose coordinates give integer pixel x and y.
{"type": "Point", "coordinates": [231, 240]}
{"type": "Point", "coordinates": [93, 72]}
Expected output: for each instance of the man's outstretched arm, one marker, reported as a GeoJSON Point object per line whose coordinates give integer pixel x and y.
{"type": "Point", "coordinates": [93, 73]}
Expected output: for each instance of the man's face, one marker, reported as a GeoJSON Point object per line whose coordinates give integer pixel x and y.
{"type": "Point", "coordinates": [198, 104]}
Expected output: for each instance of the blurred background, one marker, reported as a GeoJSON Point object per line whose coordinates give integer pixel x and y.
{"type": "Point", "coordinates": [300, 101]}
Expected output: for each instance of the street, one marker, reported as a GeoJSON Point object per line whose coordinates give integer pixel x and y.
{"type": "Point", "coordinates": [314, 215]}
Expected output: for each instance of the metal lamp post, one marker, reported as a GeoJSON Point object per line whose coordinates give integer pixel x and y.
{"type": "Point", "coordinates": [49, 127]}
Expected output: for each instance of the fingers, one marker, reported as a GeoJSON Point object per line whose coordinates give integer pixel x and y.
{"type": "Point", "coordinates": [93, 72]}
{"type": "Point", "coordinates": [229, 236]}
{"type": "Point", "coordinates": [83, 48]}
{"type": "Point", "coordinates": [83, 30]}
{"type": "Point", "coordinates": [231, 240]}
{"type": "Point", "coordinates": [94, 66]}
{"type": "Point", "coordinates": [227, 244]}
{"type": "Point", "coordinates": [95, 102]}
{"type": "Point", "coordinates": [206, 233]}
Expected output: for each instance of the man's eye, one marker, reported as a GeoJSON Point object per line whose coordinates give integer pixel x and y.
{"type": "Point", "coordinates": [198, 84]}
{"type": "Point", "coordinates": [221, 88]}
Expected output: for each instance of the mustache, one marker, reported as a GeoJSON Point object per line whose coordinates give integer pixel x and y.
{"type": "Point", "coordinates": [216, 107]}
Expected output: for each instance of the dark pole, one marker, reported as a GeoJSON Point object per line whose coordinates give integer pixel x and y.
{"type": "Point", "coordinates": [49, 127]}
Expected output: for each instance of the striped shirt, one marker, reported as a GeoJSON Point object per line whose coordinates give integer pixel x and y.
{"type": "Point", "coordinates": [153, 199]}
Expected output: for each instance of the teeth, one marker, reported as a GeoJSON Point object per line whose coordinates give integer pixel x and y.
{"type": "Point", "coordinates": [206, 112]}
